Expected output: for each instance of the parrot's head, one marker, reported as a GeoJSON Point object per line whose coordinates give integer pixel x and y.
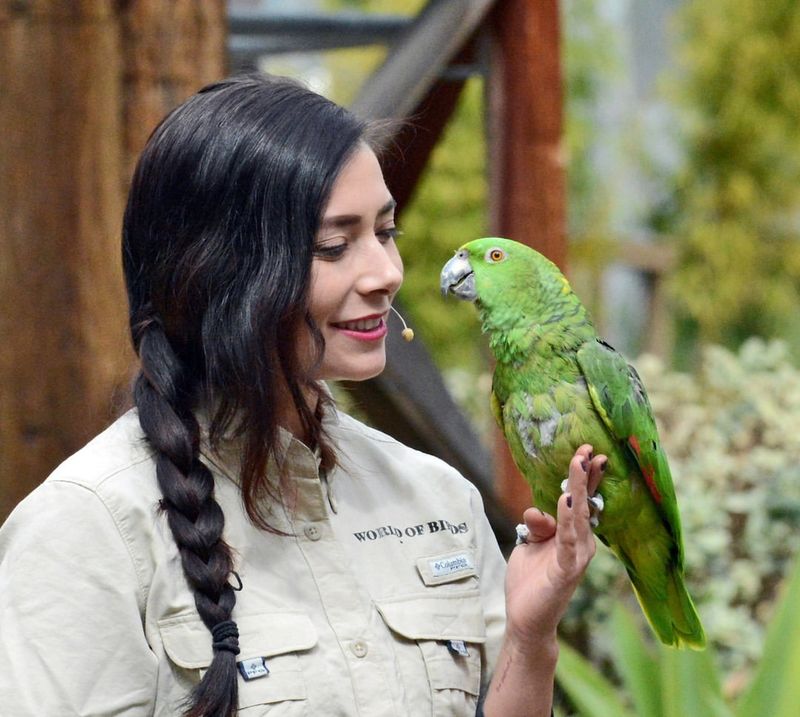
{"type": "Point", "coordinates": [511, 284]}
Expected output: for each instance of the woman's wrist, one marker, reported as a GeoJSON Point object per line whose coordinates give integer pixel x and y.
{"type": "Point", "coordinates": [537, 637]}
{"type": "Point", "coordinates": [523, 680]}
{"type": "Point", "coordinates": [541, 649]}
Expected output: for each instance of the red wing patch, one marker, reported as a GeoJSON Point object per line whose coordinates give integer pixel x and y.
{"type": "Point", "coordinates": [648, 472]}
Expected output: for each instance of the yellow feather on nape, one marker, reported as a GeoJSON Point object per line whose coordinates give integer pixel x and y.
{"type": "Point", "coordinates": [566, 288]}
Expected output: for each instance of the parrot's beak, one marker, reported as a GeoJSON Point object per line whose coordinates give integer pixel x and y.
{"type": "Point", "coordinates": [458, 278]}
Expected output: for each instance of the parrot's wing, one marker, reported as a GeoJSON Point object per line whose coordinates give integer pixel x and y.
{"type": "Point", "coordinates": [621, 401]}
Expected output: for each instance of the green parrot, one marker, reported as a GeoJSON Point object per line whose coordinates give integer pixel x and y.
{"type": "Point", "coordinates": [556, 386]}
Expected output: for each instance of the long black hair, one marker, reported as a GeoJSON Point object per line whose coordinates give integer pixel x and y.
{"type": "Point", "coordinates": [218, 240]}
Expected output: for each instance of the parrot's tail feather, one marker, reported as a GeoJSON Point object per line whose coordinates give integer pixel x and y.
{"type": "Point", "coordinates": [673, 617]}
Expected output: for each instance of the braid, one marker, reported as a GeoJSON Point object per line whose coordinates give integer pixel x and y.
{"type": "Point", "coordinates": [195, 518]}
{"type": "Point", "coordinates": [218, 238]}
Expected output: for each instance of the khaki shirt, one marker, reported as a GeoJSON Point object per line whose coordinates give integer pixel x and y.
{"type": "Point", "coordinates": [386, 597]}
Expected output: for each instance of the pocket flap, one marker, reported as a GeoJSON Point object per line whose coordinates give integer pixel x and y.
{"type": "Point", "coordinates": [450, 616]}
{"type": "Point", "coordinates": [187, 640]}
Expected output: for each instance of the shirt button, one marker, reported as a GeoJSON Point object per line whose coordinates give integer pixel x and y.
{"type": "Point", "coordinates": [312, 532]}
{"type": "Point", "coordinates": [359, 648]}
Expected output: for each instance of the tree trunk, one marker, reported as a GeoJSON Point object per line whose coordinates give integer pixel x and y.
{"type": "Point", "coordinates": [74, 77]}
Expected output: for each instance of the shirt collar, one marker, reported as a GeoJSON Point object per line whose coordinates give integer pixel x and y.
{"type": "Point", "coordinates": [302, 460]}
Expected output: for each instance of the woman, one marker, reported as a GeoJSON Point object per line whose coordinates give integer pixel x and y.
{"type": "Point", "coordinates": [235, 540]}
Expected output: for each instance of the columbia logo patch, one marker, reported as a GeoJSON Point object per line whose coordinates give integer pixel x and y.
{"type": "Point", "coordinates": [441, 567]}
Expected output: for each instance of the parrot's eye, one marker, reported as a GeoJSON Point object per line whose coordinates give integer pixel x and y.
{"type": "Point", "coordinates": [495, 255]}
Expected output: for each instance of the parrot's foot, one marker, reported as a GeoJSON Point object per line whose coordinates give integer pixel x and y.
{"type": "Point", "coordinates": [596, 505]}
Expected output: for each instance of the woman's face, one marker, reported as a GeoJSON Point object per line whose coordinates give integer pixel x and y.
{"type": "Point", "coordinates": [356, 271]}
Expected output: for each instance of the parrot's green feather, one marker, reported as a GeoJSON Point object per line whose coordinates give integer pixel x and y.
{"type": "Point", "coordinates": [621, 401]}
{"type": "Point", "coordinates": [556, 387]}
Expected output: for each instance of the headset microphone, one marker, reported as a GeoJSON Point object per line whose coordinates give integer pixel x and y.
{"type": "Point", "coordinates": [407, 334]}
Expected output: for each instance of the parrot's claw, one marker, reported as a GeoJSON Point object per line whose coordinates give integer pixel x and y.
{"type": "Point", "coordinates": [596, 505]}
{"type": "Point", "coordinates": [522, 534]}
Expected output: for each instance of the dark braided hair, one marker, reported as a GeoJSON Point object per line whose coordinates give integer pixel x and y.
{"type": "Point", "coordinates": [218, 234]}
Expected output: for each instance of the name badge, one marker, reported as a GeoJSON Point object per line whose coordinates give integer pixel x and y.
{"type": "Point", "coordinates": [253, 668]}
{"type": "Point", "coordinates": [447, 567]}
{"type": "Point", "coordinates": [441, 567]}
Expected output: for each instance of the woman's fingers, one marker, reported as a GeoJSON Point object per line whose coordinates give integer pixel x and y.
{"type": "Point", "coordinates": [597, 468]}
{"type": "Point", "coordinates": [575, 541]}
{"type": "Point", "coordinates": [541, 526]}
{"type": "Point", "coordinates": [577, 479]}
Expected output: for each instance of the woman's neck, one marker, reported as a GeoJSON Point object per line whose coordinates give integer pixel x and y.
{"type": "Point", "coordinates": [290, 417]}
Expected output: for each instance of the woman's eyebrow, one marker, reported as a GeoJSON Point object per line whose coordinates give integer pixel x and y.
{"type": "Point", "coordinates": [388, 207]}
{"type": "Point", "coordinates": [347, 220]}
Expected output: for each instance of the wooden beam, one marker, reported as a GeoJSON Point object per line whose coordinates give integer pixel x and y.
{"type": "Point", "coordinates": [527, 178]}
{"type": "Point", "coordinates": [416, 139]}
{"type": "Point", "coordinates": [416, 62]}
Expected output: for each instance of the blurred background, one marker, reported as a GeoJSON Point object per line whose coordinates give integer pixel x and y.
{"type": "Point", "coordinates": [650, 147]}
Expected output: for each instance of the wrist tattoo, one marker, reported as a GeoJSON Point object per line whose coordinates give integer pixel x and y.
{"type": "Point", "coordinates": [503, 675]}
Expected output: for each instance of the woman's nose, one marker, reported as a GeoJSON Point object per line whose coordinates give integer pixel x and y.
{"type": "Point", "coordinates": [381, 269]}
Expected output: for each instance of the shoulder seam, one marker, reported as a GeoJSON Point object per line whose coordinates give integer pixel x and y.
{"type": "Point", "coordinates": [124, 537]}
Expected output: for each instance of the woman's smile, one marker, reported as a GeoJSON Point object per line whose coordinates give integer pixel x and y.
{"type": "Point", "coordinates": [369, 328]}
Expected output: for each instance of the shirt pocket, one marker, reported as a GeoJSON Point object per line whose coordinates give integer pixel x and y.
{"type": "Point", "coordinates": [446, 631]}
{"type": "Point", "coordinates": [279, 637]}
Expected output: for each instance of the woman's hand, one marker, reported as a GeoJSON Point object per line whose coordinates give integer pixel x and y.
{"type": "Point", "coordinates": [544, 572]}
{"type": "Point", "coordinates": [542, 575]}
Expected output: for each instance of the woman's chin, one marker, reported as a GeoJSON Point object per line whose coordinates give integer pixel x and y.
{"type": "Point", "coordinates": [356, 371]}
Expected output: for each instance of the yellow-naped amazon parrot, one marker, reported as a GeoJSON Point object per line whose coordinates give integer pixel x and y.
{"type": "Point", "coordinates": [556, 386]}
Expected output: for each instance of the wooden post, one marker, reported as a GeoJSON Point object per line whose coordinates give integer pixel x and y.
{"type": "Point", "coordinates": [65, 129]}
{"type": "Point", "coordinates": [171, 49]}
{"type": "Point", "coordinates": [526, 159]}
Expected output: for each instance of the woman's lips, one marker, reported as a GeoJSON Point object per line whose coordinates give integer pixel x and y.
{"type": "Point", "coordinates": [363, 329]}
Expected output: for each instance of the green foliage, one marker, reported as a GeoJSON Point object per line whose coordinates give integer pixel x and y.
{"type": "Point", "coordinates": [730, 433]}
{"type": "Point", "coordinates": [589, 691]}
{"type": "Point", "coordinates": [735, 205]}
{"type": "Point", "coordinates": [775, 689]}
{"type": "Point", "coordinates": [657, 681]}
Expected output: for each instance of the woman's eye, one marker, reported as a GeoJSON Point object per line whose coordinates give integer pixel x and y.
{"type": "Point", "coordinates": [388, 233]}
{"type": "Point", "coordinates": [329, 251]}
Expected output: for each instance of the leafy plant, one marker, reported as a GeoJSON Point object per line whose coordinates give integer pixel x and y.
{"type": "Point", "coordinates": [733, 206]}
{"type": "Point", "coordinates": [657, 681]}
